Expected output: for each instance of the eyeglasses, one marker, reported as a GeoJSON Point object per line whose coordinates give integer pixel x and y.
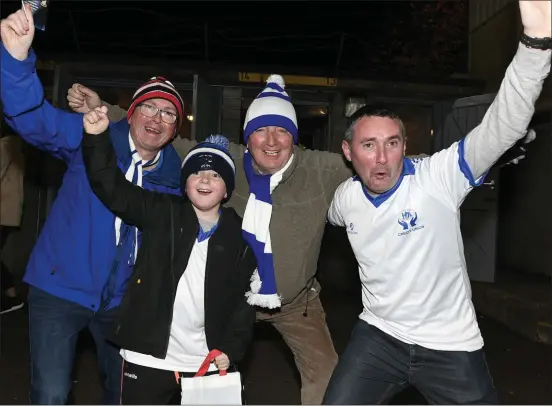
{"type": "Point", "coordinates": [151, 111]}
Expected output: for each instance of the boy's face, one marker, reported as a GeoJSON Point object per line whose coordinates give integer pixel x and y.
{"type": "Point", "coordinates": [206, 189]}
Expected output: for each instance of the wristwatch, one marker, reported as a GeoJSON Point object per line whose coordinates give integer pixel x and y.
{"type": "Point", "coordinates": [536, 43]}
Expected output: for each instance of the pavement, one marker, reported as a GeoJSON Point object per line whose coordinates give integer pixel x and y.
{"type": "Point", "coordinates": [521, 368]}
{"type": "Point", "coordinates": [523, 302]}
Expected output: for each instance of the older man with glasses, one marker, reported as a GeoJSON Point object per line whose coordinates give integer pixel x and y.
{"type": "Point", "coordinates": [84, 256]}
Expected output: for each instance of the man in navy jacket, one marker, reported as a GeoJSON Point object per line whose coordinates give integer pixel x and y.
{"type": "Point", "coordinates": [84, 256]}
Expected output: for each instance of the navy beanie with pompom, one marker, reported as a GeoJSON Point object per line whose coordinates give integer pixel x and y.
{"type": "Point", "coordinates": [211, 154]}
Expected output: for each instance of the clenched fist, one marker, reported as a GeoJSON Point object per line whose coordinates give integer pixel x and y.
{"type": "Point", "coordinates": [536, 16]}
{"type": "Point", "coordinates": [82, 99]}
{"type": "Point", "coordinates": [96, 121]}
{"type": "Point", "coordinates": [17, 31]}
{"type": "Point", "coordinates": [222, 362]}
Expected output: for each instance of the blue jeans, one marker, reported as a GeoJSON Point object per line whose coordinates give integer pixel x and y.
{"type": "Point", "coordinates": [375, 367]}
{"type": "Point", "coordinates": [54, 327]}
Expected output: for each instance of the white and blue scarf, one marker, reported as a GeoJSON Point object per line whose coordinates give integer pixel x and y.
{"type": "Point", "coordinates": [134, 175]}
{"type": "Point", "coordinates": [256, 231]}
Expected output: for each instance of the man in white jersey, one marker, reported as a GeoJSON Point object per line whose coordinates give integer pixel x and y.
{"type": "Point", "coordinates": [419, 326]}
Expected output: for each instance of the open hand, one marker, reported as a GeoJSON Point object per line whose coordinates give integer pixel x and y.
{"type": "Point", "coordinates": [96, 121]}
{"type": "Point", "coordinates": [82, 99]}
{"type": "Point", "coordinates": [18, 32]}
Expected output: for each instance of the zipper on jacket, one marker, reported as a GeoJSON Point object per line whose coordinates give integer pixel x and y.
{"type": "Point", "coordinates": [205, 288]}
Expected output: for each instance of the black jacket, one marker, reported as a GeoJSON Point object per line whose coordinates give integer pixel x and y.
{"type": "Point", "coordinates": [167, 221]}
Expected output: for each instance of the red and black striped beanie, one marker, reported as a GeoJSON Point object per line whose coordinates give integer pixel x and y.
{"type": "Point", "coordinates": [158, 88]}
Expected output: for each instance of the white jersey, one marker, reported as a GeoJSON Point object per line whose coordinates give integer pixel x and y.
{"type": "Point", "coordinates": [408, 244]}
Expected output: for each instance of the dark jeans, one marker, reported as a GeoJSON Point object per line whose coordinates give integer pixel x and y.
{"type": "Point", "coordinates": [54, 326]}
{"type": "Point", "coordinates": [6, 278]}
{"type": "Point", "coordinates": [375, 366]}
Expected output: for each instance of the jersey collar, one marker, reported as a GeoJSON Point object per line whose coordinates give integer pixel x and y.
{"type": "Point", "coordinates": [408, 169]}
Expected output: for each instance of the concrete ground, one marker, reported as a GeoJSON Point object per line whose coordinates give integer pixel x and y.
{"type": "Point", "coordinates": [522, 369]}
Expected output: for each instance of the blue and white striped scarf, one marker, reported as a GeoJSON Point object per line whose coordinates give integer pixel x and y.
{"type": "Point", "coordinates": [256, 231]}
{"type": "Point", "coordinates": [134, 174]}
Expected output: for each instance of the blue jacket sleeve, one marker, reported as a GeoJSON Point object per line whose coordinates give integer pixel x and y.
{"type": "Point", "coordinates": [30, 115]}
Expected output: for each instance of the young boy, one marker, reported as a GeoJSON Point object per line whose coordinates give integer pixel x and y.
{"type": "Point", "coordinates": [186, 296]}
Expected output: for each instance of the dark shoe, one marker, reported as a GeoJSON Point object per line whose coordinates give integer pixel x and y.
{"type": "Point", "coordinates": [10, 304]}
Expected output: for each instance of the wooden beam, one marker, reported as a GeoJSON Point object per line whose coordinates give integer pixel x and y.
{"type": "Point", "coordinates": [230, 76]}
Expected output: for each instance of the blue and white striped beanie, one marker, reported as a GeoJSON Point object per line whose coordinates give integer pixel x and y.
{"type": "Point", "coordinates": [272, 107]}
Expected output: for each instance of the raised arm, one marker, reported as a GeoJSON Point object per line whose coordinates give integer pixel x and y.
{"type": "Point", "coordinates": [22, 94]}
{"type": "Point", "coordinates": [132, 204]}
{"type": "Point", "coordinates": [453, 172]}
{"type": "Point", "coordinates": [509, 115]}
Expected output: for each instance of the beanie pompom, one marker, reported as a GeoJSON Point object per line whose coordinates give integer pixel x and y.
{"type": "Point", "coordinates": [277, 79]}
{"type": "Point", "coordinates": [219, 140]}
